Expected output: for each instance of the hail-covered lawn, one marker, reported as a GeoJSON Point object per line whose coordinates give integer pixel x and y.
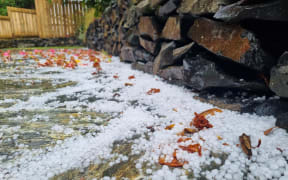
{"type": "Point", "coordinates": [118, 105]}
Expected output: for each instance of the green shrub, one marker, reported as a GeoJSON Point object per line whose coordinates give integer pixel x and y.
{"type": "Point", "coordinates": [99, 5]}
{"type": "Point", "coordinates": [15, 3]}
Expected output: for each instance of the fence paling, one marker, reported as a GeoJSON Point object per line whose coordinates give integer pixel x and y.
{"type": "Point", "coordinates": [5, 27]}
{"type": "Point", "coordinates": [56, 19]}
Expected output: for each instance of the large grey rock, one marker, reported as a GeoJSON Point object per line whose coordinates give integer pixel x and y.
{"type": "Point", "coordinates": [155, 3]}
{"type": "Point", "coordinates": [269, 10]}
{"type": "Point", "coordinates": [150, 46]}
{"type": "Point", "coordinates": [282, 120]}
{"type": "Point", "coordinates": [167, 8]}
{"type": "Point", "coordinates": [148, 26]}
{"type": "Point", "coordinates": [172, 29]}
{"type": "Point", "coordinates": [232, 42]}
{"type": "Point", "coordinates": [172, 74]}
{"type": "Point", "coordinates": [147, 68]}
{"type": "Point", "coordinates": [198, 7]}
{"type": "Point", "coordinates": [181, 51]}
{"type": "Point", "coordinates": [201, 74]}
{"type": "Point", "coordinates": [165, 57]}
{"type": "Point", "coordinates": [133, 54]}
{"type": "Point", "coordinates": [279, 77]}
{"type": "Point", "coordinates": [131, 17]}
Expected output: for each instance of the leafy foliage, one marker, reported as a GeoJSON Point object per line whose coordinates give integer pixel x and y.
{"type": "Point", "coordinates": [15, 3]}
{"type": "Point", "coordinates": [99, 5]}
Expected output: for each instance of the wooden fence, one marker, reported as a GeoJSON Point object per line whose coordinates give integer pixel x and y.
{"type": "Point", "coordinates": [5, 27]}
{"type": "Point", "coordinates": [49, 20]}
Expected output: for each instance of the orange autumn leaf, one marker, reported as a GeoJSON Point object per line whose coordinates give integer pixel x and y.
{"type": "Point", "coordinates": [192, 148]}
{"type": "Point", "coordinates": [219, 138]}
{"type": "Point", "coordinates": [175, 110]}
{"type": "Point", "coordinates": [131, 77]}
{"type": "Point", "coordinates": [182, 133]}
{"type": "Point", "coordinates": [115, 77]}
{"type": "Point", "coordinates": [210, 111]}
{"type": "Point", "coordinates": [200, 122]}
{"type": "Point", "coordinates": [170, 127]}
{"type": "Point", "coordinates": [268, 131]}
{"type": "Point", "coordinates": [189, 130]}
{"type": "Point", "coordinates": [153, 91]}
{"type": "Point", "coordinates": [173, 163]}
{"type": "Point", "coordinates": [225, 144]}
{"type": "Point", "coordinates": [128, 84]}
{"type": "Point", "coordinates": [183, 140]}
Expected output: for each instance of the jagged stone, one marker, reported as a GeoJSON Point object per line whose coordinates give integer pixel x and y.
{"type": "Point", "coordinates": [282, 120]}
{"type": "Point", "coordinates": [133, 39]}
{"type": "Point", "coordinates": [167, 8]}
{"type": "Point", "coordinates": [279, 77]}
{"type": "Point", "coordinates": [165, 57]}
{"type": "Point", "coordinates": [147, 68]}
{"type": "Point", "coordinates": [148, 27]}
{"type": "Point", "coordinates": [201, 74]}
{"type": "Point", "coordinates": [143, 56]}
{"type": "Point", "coordinates": [180, 52]}
{"type": "Point", "coordinates": [198, 7]}
{"type": "Point", "coordinates": [270, 11]}
{"type": "Point", "coordinates": [172, 29]}
{"type": "Point", "coordinates": [173, 74]}
{"type": "Point", "coordinates": [144, 6]}
{"type": "Point", "coordinates": [131, 17]}
{"type": "Point", "coordinates": [150, 46]}
{"type": "Point", "coordinates": [269, 107]}
{"type": "Point", "coordinates": [231, 42]}
{"type": "Point", "coordinates": [156, 3]}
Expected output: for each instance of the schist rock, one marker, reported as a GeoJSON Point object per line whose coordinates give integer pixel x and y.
{"type": "Point", "coordinates": [148, 26]}
{"type": "Point", "coordinates": [269, 11]}
{"type": "Point", "coordinates": [232, 42]}
{"type": "Point", "coordinates": [279, 77]}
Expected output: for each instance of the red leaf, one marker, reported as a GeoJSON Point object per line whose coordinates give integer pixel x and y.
{"type": "Point", "coordinates": [153, 91]}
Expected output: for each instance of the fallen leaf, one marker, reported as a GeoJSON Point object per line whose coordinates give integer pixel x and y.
{"type": "Point", "coordinates": [246, 144]}
{"type": "Point", "coordinates": [192, 148]}
{"type": "Point", "coordinates": [268, 131]}
{"type": "Point", "coordinates": [259, 143]}
{"type": "Point", "coordinates": [128, 84]}
{"type": "Point", "coordinates": [225, 144]}
{"type": "Point", "coordinates": [219, 138]}
{"type": "Point", "coordinates": [131, 77]}
{"type": "Point", "coordinates": [202, 139]}
{"type": "Point", "coordinates": [116, 94]}
{"type": "Point", "coordinates": [182, 133]}
{"type": "Point", "coordinates": [189, 130]}
{"type": "Point", "coordinates": [183, 140]}
{"type": "Point", "coordinates": [173, 163]}
{"type": "Point", "coordinates": [200, 122]}
{"type": "Point", "coordinates": [210, 111]}
{"type": "Point", "coordinates": [170, 127]}
{"type": "Point", "coordinates": [153, 91]}
{"type": "Point", "coordinates": [115, 77]}
{"type": "Point", "coordinates": [279, 149]}
{"type": "Point", "coordinates": [174, 109]}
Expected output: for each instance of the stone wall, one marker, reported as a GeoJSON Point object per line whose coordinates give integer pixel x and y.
{"type": "Point", "coordinates": [209, 46]}
{"type": "Point", "coordinates": [39, 42]}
